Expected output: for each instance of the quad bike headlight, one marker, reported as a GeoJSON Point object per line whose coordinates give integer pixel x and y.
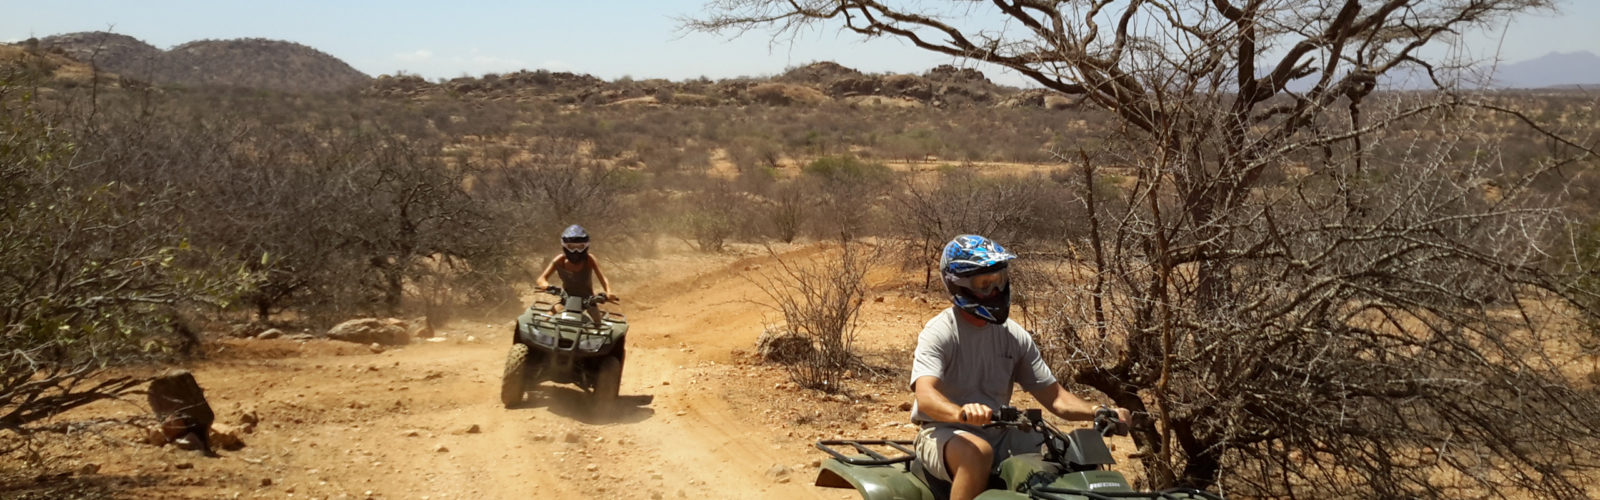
{"type": "Point", "coordinates": [592, 343]}
{"type": "Point", "coordinates": [543, 339]}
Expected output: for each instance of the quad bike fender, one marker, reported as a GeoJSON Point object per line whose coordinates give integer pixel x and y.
{"type": "Point", "coordinates": [619, 329]}
{"type": "Point", "coordinates": [874, 482]}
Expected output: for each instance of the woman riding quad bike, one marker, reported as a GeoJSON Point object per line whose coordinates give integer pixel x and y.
{"type": "Point", "coordinates": [569, 340]}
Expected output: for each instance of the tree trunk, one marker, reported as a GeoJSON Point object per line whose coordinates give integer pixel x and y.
{"type": "Point", "coordinates": [394, 288]}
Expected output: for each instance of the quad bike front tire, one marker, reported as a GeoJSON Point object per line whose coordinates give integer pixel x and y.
{"type": "Point", "coordinates": [608, 380]}
{"type": "Point", "coordinates": [511, 385]}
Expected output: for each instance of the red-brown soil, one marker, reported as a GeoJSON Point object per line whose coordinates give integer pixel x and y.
{"type": "Point", "coordinates": [705, 417]}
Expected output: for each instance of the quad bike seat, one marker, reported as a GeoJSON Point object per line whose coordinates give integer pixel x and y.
{"type": "Point", "coordinates": [939, 487]}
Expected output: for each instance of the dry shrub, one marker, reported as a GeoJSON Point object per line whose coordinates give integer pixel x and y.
{"type": "Point", "coordinates": [820, 300]}
{"type": "Point", "coordinates": [711, 216]}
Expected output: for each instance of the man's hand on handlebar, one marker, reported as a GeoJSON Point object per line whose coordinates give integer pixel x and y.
{"type": "Point", "coordinates": [976, 414]}
{"type": "Point", "coordinates": [1112, 421]}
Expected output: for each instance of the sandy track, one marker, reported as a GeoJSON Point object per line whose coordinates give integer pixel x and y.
{"type": "Point", "coordinates": [341, 422]}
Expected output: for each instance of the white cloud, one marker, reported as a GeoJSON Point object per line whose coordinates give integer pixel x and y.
{"type": "Point", "coordinates": [418, 56]}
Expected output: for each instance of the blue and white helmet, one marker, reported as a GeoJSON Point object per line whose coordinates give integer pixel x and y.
{"type": "Point", "coordinates": [973, 269]}
{"type": "Point", "coordinates": [575, 243]}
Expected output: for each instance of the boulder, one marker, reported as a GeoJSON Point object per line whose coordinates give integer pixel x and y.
{"type": "Point", "coordinates": [950, 73]}
{"type": "Point", "coordinates": [371, 331]}
{"type": "Point", "coordinates": [780, 94]}
{"type": "Point", "coordinates": [181, 407]}
{"type": "Point", "coordinates": [910, 86]}
{"type": "Point", "coordinates": [226, 437]}
{"type": "Point", "coordinates": [249, 330]}
{"type": "Point", "coordinates": [779, 473]}
{"type": "Point", "coordinates": [875, 101]}
{"type": "Point", "coordinates": [780, 345]}
{"type": "Point", "coordinates": [1058, 102]}
{"type": "Point", "coordinates": [248, 421]}
{"type": "Point", "coordinates": [853, 86]}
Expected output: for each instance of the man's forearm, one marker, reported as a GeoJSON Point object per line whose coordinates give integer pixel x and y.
{"type": "Point", "coordinates": [1072, 408]}
{"type": "Point", "coordinates": [1064, 404]}
{"type": "Point", "coordinates": [932, 403]}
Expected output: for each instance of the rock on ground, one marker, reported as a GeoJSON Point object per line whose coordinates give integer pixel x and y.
{"type": "Point", "coordinates": [371, 331]}
{"type": "Point", "coordinates": [181, 407]}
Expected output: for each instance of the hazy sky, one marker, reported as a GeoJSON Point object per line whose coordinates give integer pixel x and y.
{"type": "Point", "coordinates": [608, 39]}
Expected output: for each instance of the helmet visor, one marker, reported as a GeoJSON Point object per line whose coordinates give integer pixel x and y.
{"type": "Point", "coordinates": [986, 284]}
{"type": "Point", "coordinates": [575, 246]}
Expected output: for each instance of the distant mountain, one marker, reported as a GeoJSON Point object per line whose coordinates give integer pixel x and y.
{"type": "Point", "coordinates": [250, 62]}
{"type": "Point", "coordinates": [1555, 69]}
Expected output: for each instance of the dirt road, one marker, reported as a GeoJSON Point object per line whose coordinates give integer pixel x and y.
{"type": "Point", "coordinates": [703, 419]}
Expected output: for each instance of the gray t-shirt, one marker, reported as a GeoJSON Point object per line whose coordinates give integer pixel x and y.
{"type": "Point", "coordinates": [976, 364]}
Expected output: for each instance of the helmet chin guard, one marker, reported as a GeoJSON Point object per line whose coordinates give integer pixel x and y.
{"type": "Point", "coordinates": [994, 309]}
{"type": "Point", "coordinates": [575, 257]}
{"type": "Point", "coordinates": [963, 260]}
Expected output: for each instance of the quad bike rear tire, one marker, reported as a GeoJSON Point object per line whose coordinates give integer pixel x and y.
{"type": "Point", "coordinates": [608, 380]}
{"type": "Point", "coordinates": [511, 385]}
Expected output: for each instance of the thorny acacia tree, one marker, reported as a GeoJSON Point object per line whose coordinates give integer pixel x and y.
{"type": "Point", "coordinates": [1289, 306]}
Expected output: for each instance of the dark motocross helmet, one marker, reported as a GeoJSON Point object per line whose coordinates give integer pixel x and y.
{"type": "Point", "coordinates": [974, 272]}
{"type": "Point", "coordinates": [575, 243]}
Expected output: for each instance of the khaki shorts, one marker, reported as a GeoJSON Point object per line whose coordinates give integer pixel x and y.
{"type": "Point", "coordinates": [1005, 442]}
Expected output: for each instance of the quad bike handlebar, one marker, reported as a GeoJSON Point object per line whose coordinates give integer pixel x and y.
{"type": "Point", "coordinates": [1106, 421]}
{"type": "Point", "coordinates": [591, 300]}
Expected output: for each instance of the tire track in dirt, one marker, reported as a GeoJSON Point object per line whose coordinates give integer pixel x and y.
{"type": "Point", "coordinates": [679, 438]}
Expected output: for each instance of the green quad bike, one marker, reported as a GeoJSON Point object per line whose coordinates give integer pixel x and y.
{"type": "Point", "coordinates": [566, 347]}
{"type": "Point", "coordinates": [1072, 467]}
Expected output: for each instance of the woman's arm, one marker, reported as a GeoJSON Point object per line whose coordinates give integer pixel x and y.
{"type": "Point", "coordinates": [605, 286]}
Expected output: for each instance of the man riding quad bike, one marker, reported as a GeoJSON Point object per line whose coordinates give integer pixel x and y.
{"type": "Point", "coordinates": [1072, 466]}
{"type": "Point", "coordinates": [560, 342]}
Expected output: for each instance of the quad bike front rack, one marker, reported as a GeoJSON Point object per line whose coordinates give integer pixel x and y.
{"type": "Point", "coordinates": [869, 447]}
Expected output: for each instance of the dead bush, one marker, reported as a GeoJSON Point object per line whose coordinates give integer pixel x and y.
{"type": "Point", "coordinates": [845, 191]}
{"type": "Point", "coordinates": [711, 215]}
{"type": "Point", "coordinates": [820, 300]}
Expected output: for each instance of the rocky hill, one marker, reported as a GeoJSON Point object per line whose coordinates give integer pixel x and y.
{"type": "Point", "coordinates": [291, 67]}
{"type": "Point", "coordinates": [250, 63]}
{"type": "Point", "coordinates": [810, 85]}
